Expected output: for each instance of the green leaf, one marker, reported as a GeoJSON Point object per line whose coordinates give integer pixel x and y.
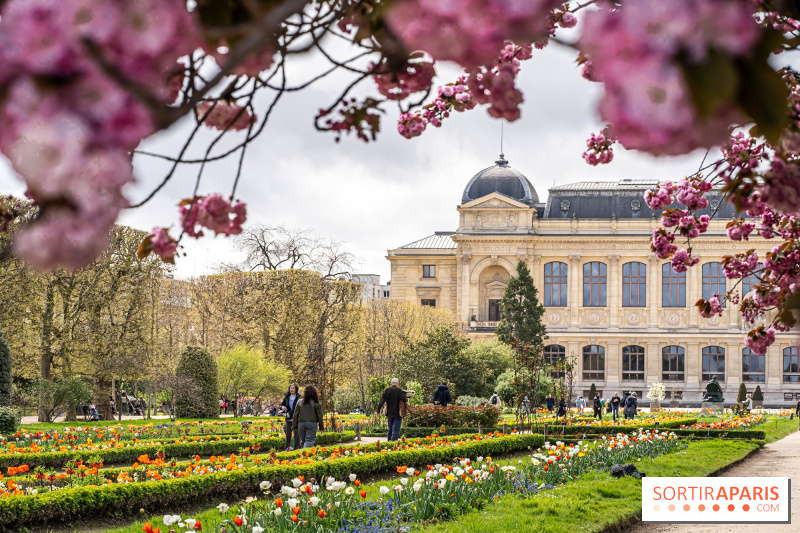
{"type": "Point", "coordinates": [764, 98]}
{"type": "Point", "coordinates": [712, 83]}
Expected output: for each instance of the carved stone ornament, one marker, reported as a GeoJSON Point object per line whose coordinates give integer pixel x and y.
{"type": "Point", "coordinates": [495, 220]}
{"type": "Point", "coordinates": [494, 202]}
{"type": "Point", "coordinates": [634, 318]}
{"type": "Point", "coordinates": [673, 319]}
{"type": "Point", "coordinates": [565, 205]}
{"type": "Point", "coordinates": [554, 317]}
{"type": "Point", "coordinates": [636, 205]}
{"type": "Point", "coordinates": [593, 317]}
{"type": "Point", "coordinates": [714, 320]}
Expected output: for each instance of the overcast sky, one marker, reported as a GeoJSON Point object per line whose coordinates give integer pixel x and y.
{"type": "Point", "coordinates": [381, 195]}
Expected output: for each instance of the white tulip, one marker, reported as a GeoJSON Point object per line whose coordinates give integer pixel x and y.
{"type": "Point", "coordinates": [384, 489]}
{"type": "Point", "coordinates": [296, 482]}
{"type": "Point", "coordinates": [190, 522]}
{"type": "Point", "coordinates": [171, 519]}
{"type": "Point", "coordinates": [257, 529]}
{"type": "Point", "coordinates": [404, 481]}
{"type": "Point", "coordinates": [353, 477]}
{"type": "Point", "coordinates": [278, 511]}
{"type": "Point", "coordinates": [313, 501]}
{"type": "Point", "coordinates": [223, 508]}
{"type": "Point", "coordinates": [292, 502]}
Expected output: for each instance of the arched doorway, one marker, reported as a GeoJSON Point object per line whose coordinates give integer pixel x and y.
{"type": "Point", "coordinates": [492, 285]}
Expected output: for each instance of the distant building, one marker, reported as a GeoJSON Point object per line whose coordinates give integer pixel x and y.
{"type": "Point", "coordinates": [371, 284]}
{"type": "Point", "coordinates": [625, 315]}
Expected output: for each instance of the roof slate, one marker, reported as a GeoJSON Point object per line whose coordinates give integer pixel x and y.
{"type": "Point", "coordinates": [432, 242]}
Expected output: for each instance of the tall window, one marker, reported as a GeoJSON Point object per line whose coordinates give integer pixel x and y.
{"type": "Point", "coordinates": [555, 284]}
{"type": "Point", "coordinates": [672, 363]}
{"type": "Point", "coordinates": [714, 363]}
{"type": "Point", "coordinates": [553, 354]}
{"type": "Point", "coordinates": [634, 285]}
{"type": "Point", "coordinates": [751, 281]}
{"type": "Point", "coordinates": [633, 363]}
{"type": "Point", "coordinates": [428, 303]}
{"type": "Point", "coordinates": [594, 284]}
{"type": "Point", "coordinates": [753, 366]}
{"type": "Point", "coordinates": [713, 281]}
{"type": "Point", "coordinates": [673, 287]}
{"type": "Point", "coordinates": [594, 363]}
{"type": "Point", "coordinates": [791, 365]}
{"type": "Point", "coordinates": [428, 271]}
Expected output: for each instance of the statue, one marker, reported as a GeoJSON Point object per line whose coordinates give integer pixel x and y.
{"type": "Point", "coordinates": [713, 391]}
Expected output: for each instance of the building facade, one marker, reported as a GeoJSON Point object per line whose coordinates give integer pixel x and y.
{"type": "Point", "coordinates": [371, 287]}
{"type": "Point", "coordinates": [625, 316]}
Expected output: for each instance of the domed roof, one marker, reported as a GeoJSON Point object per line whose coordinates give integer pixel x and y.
{"type": "Point", "coordinates": [503, 179]}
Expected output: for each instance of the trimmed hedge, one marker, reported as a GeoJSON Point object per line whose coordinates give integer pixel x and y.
{"type": "Point", "coordinates": [747, 434]}
{"type": "Point", "coordinates": [129, 455]}
{"type": "Point", "coordinates": [197, 366]}
{"type": "Point", "coordinates": [452, 415]}
{"type": "Point", "coordinates": [69, 505]}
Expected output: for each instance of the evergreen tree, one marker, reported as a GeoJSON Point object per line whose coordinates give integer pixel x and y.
{"type": "Point", "coordinates": [742, 393]}
{"type": "Point", "coordinates": [5, 372]}
{"type": "Point", "coordinates": [197, 367]}
{"type": "Point", "coordinates": [521, 317]}
{"type": "Point", "coordinates": [592, 392]}
{"type": "Point", "coordinates": [758, 396]}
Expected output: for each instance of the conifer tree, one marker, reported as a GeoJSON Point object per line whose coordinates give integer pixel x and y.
{"type": "Point", "coordinates": [742, 393]}
{"type": "Point", "coordinates": [521, 317]}
{"type": "Point", "coordinates": [5, 372]}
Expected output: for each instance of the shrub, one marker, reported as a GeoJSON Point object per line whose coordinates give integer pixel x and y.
{"type": "Point", "coordinates": [9, 418]}
{"type": "Point", "coordinates": [592, 392]}
{"type": "Point", "coordinates": [742, 393]}
{"type": "Point", "coordinates": [758, 396]}
{"type": "Point", "coordinates": [346, 400]}
{"type": "Point", "coordinates": [433, 416]}
{"type": "Point", "coordinates": [5, 372]}
{"type": "Point", "coordinates": [62, 394]}
{"type": "Point", "coordinates": [470, 401]}
{"type": "Point", "coordinates": [197, 365]}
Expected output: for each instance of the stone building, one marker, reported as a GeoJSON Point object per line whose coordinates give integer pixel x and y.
{"type": "Point", "coordinates": [625, 316]}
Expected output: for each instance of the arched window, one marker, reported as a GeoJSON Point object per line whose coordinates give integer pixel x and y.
{"type": "Point", "coordinates": [594, 284]}
{"type": "Point", "coordinates": [594, 363]}
{"type": "Point", "coordinates": [634, 285]}
{"type": "Point", "coordinates": [751, 281]}
{"type": "Point", "coordinates": [672, 363]}
{"type": "Point", "coordinates": [553, 354]}
{"type": "Point", "coordinates": [555, 284]}
{"type": "Point", "coordinates": [633, 363]}
{"type": "Point", "coordinates": [713, 281]}
{"type": "Point", "coordinates": [714, 363]}
{"type": "Point", "coordinates": [791, 365]}
{"type": "Point", "coordinates": [753, 366]}
{"type": "Point", "coordinates": [673, 287]}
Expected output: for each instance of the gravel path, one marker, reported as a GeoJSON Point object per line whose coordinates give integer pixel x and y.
{"type": "Point", "coordinates": [781, 459]}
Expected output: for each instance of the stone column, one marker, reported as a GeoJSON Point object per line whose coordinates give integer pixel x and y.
{"type": "Point", "coordinates": [733, 368]}
{"type": "Point", "coordinates": [575, 284]}
{"type": "Point", "coordinates": [691, 363]}
{"type": "Point", "coordinates": [652, 363]}
{"type": "Point", "coordinates": [653, 282]}
{"type": "Point", "coordinates": [537, 274]}
{"type": "Point", "coordinates": [613, 364]}
{"type": "Point", "coordinates": [465, 272]}
{"type": "Point", "coordinates": [614, 291]}
{"type": "Point", "coordinates": [694, 290]}
{"type": "Point", "coordinates": [773, 365]}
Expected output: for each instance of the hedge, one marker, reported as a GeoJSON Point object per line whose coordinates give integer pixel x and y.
{"type": "Point", "coordinates": [129, 455]}
{"type": "Point", "coordinates": [68, 505]}
{"type": "Point", "coordinates": [452, 415]}
{"type": "Point", "coordinates": [199, 367]}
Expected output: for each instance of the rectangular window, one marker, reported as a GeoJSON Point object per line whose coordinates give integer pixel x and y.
{"type": "Point", "coordinates": [633, 363]}
{"type": "Point", "coordinates": [753, 366]}
{"type": "Point", "coordinates": [713, 281]}
{"type": "Point", "coordinates": [673, 287]}
{"type": "Point", "coordinates": [429, 303]}
{"type": "Point", "coordinates": [385, 294]}
{"type": "Point", "coordinates": [428, 271]}
{"type": "Point", "coordinates": [791, 365]}
{"type": "Point", "coordinates": [594, 284]}
{"type": "Point", "coordinates": [555, 284]}
{"type": "Point", "coordinates": [594, 363]}
{"type": "Point", "coordinates": [714, 363]}
{"type": "Point", "coordinates": [672, 363]}
{"type": "Point", "coordinates": [634, 285]}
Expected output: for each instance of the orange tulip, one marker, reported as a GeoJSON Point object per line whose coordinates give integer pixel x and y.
{"type": "Point", "coordinates": [296, 510]}
{"type": "Point", "coordinates": [321, 513]}
{"type": "Point", "coordinates": [238, 520]}
{"type": "Point", "coordinates": [363, 493]}
{"type": "Point", "coordinates": [294, 518]}
{"type": "Point", "coordinates": [279, 502]}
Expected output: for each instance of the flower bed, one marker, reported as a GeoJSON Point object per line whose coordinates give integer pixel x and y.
{"type": "Point", "coordinates": [424, 493]}
{"type": "Point", "coordinates": [129, 454]}
{"type": "Point", "coordinates": [129, 498]}
{"type": "Point", "coordinates": [739, 422]}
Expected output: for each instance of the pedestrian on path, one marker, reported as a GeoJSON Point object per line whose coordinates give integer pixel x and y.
{"type": "Point", "coordinates": [597, 405]}
{"type": "Point", "coordinates": [550, 402]}
{"type": "Point", "coordinates": [579, 404]}
{"type": "Point", "coordinates": [441, 396]}
{"type": "Point", "coordinates": [308, 417]}
{"type": "Point", "coordinates": [393, 396]}
{"type": "Point", "coordinates": [631, 404]}
{"type": "Point", "coordinates": [287, 408]}
{"type": "Point", "coordinates": [615, 401]}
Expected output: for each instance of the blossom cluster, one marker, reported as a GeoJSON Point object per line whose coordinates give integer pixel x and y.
{"type": "Point", "coordinates": [68, 126]}
{"type": "Point", "coordinates": [636, 55]}
{"type": "Point", "coordinates": [599, 149]}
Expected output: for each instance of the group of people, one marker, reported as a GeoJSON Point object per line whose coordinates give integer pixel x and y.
{"type": "Point", "coordinates": [629, 404]}
{"type": "Point", "coordinates": [304, 416]}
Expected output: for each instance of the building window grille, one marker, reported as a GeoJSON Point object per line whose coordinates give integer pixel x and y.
{"type": "Point", "coordinates": [713, 281]}
{"type": "Point", "coordinates": [753, 366]}
{"type": "Point", "coordinates": [672, 363]}
{"type": "Point", "coordinates": [429, 303]}
{"type": "Point", "coordinates": [673, 287]}
{"type": "Point", "coordinates": [791, 365]}
{"type": "Point", "coordinates": [714, 363]}
{"type": "Point", "coordinates": [594, 284]}
{"type": "Point", "coordinates": [594, 363]}
{"type": "Point", "coordinates": [633, 363]}
{"type": "Point", "coordinates": [428, 271]}
{"type": "Point", "coordinates": [555, 284]}
{"type": "Point", "coordinates": [751, 281]}
{"type": "Point", "coordinates": [553, 355]}
{"type": "Point", "coordinates": [634, 285]}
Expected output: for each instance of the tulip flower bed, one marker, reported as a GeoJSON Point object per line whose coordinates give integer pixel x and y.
{"type": "Point", "coordinates": [127, 498]}
{"type": "Point", "coordinates": [739, 422]}
{"type": "Point", "coordinates": [121, 454]}
{"type": "Point", "coordinates": [421, 494]}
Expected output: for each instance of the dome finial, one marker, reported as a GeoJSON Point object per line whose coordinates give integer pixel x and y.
{"type": "Point", "coordinates": [501, 160]}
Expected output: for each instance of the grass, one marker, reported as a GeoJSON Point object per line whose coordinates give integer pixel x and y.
{"type": "Point", "coordinates": [596, 501]}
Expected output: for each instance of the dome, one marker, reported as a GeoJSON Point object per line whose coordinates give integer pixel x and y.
{"type": "Point", "coordinates": [502, 179]}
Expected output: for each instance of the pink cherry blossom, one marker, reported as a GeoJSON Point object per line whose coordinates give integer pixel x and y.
{"type": "Point", "coordinates": [416, 76]}
{"type": "Point", "coordinates": [780, 189]}
{"type": "Point", "coordinates": [599, 149]}
{"type": "Point", "coordinates": [711, 307]}
{"type": "Point", "coordinates": [225, 116]}
{"type": "Point", "coordinates": [760, 339]}
{"type": "Point", "coordinates": [163, 245]}
{"type": "Point", "coordinates": [660, 198]}
{"type": "Point", "coordinates": [661, 243]}
{"type": "Point", "coordinates": [682, 260]}
{"type": "Point", "coordinates": [411, 125]}
{"type": "Point", "coordinates": [213, 212]}
{"type": "Point", "coordinates": [739, 230]}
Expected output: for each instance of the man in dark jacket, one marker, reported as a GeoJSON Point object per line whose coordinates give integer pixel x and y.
{"type": "Point", "coordinates": [392, 397]}
{"type": "Point", "coordinates": [550, 402]}
{"type": "Point", "coordinates": [615, 402]}
{"type": "Point", "coordinates": [441, 396]}
{"type": "Point", "coordinates": [598, 406]}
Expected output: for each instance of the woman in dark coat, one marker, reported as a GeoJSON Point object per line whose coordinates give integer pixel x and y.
{"type": "Point", "coordinates": [287, 408]}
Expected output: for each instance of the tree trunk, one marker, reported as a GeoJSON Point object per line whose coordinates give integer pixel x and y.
{"type": "Point", "coordinates": [46, 354]}
{"type": "Point", "coordinates": [103, 390]}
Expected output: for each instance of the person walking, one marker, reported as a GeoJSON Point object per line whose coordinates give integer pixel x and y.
{"type": "Point", "coordinates": [441, 396]}
{"type": "Point", "coordinates": [631, 404]}
{"type": "Point", "coordinates": [615, 401]}
{"type": "Point", "coordinates": [287, 408]}
{"type": "Point", "coordinates": [579, 404]}
{"type": "Point", "coordinates": [495, 401]}
{"type": "Point", "coordinates": [597, 405]}
{"type": "Point", "coordinates": [562, 408]}
{"type": "Point", "coordinates": [392, 397]}
{"type": "Point", "coordinates": [550, 402]}
{"type": "Point", "coordinates": [308, 417]}
{"type": "Point", "coordinates": [748, 403]}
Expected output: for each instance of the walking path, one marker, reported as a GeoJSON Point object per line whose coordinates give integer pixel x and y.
{"type": "Point", "coordinates": [780, 459]}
